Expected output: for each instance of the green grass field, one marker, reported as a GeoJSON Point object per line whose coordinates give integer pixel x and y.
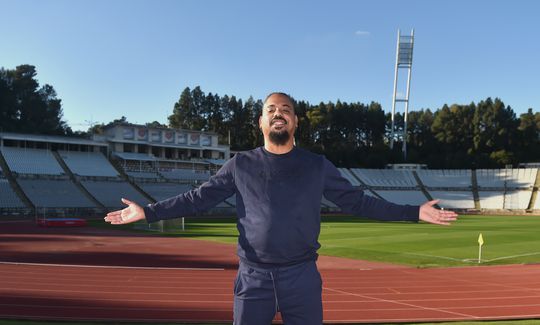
{"type": "Point", "coordinates": [508, 239]}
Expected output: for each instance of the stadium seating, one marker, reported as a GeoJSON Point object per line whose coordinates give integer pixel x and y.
{"type": "Point", "coordinates": [517, 200]}
{"type": "Point", "coordinates": [110, 193]}
{"type": "Point", "coordinates": [161, 191]}
{"type": "Point", "coordinates": [454, 199]}
{"type": "Point", "coordinates": [402, 197]}
{"type": "Point", "coordinates": [8, 198]}
{"type": "Point", "coordinates": [445, 178]}
{"type": "Point", "coordinates": [349, 176]}
{"type": "Point", "coordinates": [491, 199]}
{"type": "Point", "coordinates": [506, 178]}
{"type": "Point", "coordinates": [146, 175]}
{"type": "Point", "coordinates": [88, 164]}
{"type": "Point", "coordinates": [31, 161]}
{"type": "Point", "coordinates": [54, 193]}
{"type": "Point", "coordinates": [185, 174]}
{"type": "Point", "coordinates": [385, 177]}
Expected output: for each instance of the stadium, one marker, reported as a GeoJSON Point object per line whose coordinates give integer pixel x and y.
{"type": "Point", "coordinates": [58, 182]}
{"type": "Point", "coordinates": [74, 251]}
{"type": "Point", "coordinates": [61, 176]}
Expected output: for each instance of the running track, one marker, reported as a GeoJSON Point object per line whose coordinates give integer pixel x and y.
{"type": "Point", "coordinates": [91, 274]}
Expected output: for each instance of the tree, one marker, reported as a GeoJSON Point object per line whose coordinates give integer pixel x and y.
{"type": "Point", "coordinates": [155, 124]}
{"type": "Point", "coordinates": [180, 118]}
{"type": "Point", "coordinates": [495, 130]}
{"type": "Point", "coordinates": [529, 137]}
{"type": "Point", "coordinates": [28, 108]}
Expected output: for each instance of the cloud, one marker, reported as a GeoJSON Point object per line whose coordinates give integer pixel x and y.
{"type": "Point", "coordinates": [362, 33]}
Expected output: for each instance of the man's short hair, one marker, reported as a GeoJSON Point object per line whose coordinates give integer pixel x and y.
{"type": "Point", "coordinates": [282, 94]}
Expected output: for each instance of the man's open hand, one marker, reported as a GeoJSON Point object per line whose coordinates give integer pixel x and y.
{"type": "Point", "coordinates": [132, 213]}
{"type": "Point", "coordinates": [432, 215]}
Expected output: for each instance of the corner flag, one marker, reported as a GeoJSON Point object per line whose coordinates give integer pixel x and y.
{"type": "Point", "coordinates": [480, 244]}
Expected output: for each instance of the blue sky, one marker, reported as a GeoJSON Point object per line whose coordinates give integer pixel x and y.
{"type": "Point", "coordinates": [133, 58]}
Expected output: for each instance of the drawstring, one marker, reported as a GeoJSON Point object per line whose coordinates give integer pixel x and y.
{"type": "Point", "coordinates": [275, 291]}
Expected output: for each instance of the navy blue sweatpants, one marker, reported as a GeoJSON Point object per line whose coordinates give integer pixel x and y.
{"type": "Point", "coordinates": [295, 291]}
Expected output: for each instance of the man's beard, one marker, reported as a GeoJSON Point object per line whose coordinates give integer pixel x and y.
{"type": "Point", "coordinates": [279, 138]}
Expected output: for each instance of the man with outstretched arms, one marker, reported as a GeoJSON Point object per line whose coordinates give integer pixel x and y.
{"type": "Point", "coordinates": [278, 191]}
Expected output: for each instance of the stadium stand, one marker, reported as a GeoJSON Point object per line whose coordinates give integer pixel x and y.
{"type": "Point", "coordinates": [444, 178]}
{"type": "Point", "coordinates": [54, 193]}
{"type": "Point", "coordinates": [349, 176]}
{"type": "Point", "coordinates": [402, 197]}
{"type": "Point", "coordinates": [506, 178]}
{"type": "Point", "coordinates": [147, 175]}
{"type": "Point", "coordinates": [31, 161]}
{"type": "Point", "coordinates": [8, 198]}
{"type": "Point", "coordinates": [88, 164]}
{"type": "Point", "coordinates": [454, 199]}
{"type": "Point", "coordinates": [109, 193]}
{"type": "Point", "coordinates": [517, 200]}
{"type": "Point", "coordinates": [537, 204]}
{"type": "Point", "coordinates": [385, 177]}
{"type": "Point", "coordinates": [491, 200]}
{"type": "Point", "coordinates": [185, 174]}
{"type": "Point", "coordinates": [161, 191]}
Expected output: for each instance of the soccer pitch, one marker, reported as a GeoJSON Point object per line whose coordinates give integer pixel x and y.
{"type": "Point", "coordinates": [507, 239]}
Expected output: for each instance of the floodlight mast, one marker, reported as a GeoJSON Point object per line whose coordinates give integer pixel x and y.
{"type": "Point", "coordinates": [404, 52]}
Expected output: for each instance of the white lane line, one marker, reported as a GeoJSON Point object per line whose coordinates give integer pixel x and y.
{"type": "Point", "coordinates": [116, 266]}
{"type": "Point", "coordinates": [401, 303]}
{"type": "Point", "coordinates": [512, 256]}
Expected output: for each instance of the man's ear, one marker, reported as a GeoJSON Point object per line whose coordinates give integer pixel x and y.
{"type": "Point", "coordinates": [296, 120]}
{"type": "Point", "coordinates": [260, 123]}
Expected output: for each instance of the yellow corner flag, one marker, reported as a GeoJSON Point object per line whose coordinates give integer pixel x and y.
{"type": "Point", "coordinates": [480, 240]}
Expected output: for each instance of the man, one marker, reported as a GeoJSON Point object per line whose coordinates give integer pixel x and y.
{"type": "Point", "coordinates": [278, 191]}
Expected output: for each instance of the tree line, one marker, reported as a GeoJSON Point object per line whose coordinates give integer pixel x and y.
{"type": "Point", "coordinates": [486, 134]}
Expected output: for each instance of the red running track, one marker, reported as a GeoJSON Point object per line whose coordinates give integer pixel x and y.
{"type": "Point", "coordinates": [90, 274]}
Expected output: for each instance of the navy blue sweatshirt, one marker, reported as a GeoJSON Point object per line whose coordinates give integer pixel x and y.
{"type": "Point", "coordinates": [278, 202]}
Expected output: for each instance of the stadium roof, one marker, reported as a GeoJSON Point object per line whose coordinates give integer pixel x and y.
{"type": "Point", "coordinates": [50, 139]}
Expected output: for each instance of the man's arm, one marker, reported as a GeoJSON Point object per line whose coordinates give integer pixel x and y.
{"type": "Point", "coordinates": [206, 196]}
{"type": "Point", "coordinates": [354, 201]}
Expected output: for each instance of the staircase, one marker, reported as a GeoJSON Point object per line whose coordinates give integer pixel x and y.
{"type": "Point", "coordinates": [422, 186]}
{"type": "Point", "coordinates": [534, 195]}
{"type": "Point", "coordinates": [126, 178]}
{"type": "Point", "coordinates": [476, 196]}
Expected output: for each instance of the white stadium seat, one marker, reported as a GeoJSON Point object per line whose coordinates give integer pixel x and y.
{"type": "Point", "coordinates": [31, 161]}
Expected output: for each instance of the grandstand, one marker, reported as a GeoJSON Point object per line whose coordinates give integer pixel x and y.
{"type": "Point", "coordinates": [438, 178]}
{"type": "Point", "coordinates": [89, 177]}
{"type": "Point", "coordinates": [31, 161]}
{"type": "Point", "coordinates": [8, 198]}
{"type": "Point", "coordinates": [385, 178]}
{"type": "Point", "coordinates": [88, 164]}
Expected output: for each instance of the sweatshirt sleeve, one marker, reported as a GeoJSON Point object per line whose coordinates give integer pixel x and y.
{"type": "Point", "coordinates": [352, 200]}
{"type": "Point", "coordinates": [209, 194]}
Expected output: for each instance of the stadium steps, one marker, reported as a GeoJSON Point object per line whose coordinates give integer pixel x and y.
{"type": "Point", "coordinates": [13, 183]}
{"type": "Point", "coordinates": [476, 196]}
{"type": "Point", "coordinates": [125, 177]}
{"type": "Point", "coordinates": [75, 181]}
{"type": "Point", "coordinates": [534, 195]}
{"type": "Point", "coordinates": [422, 186]}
